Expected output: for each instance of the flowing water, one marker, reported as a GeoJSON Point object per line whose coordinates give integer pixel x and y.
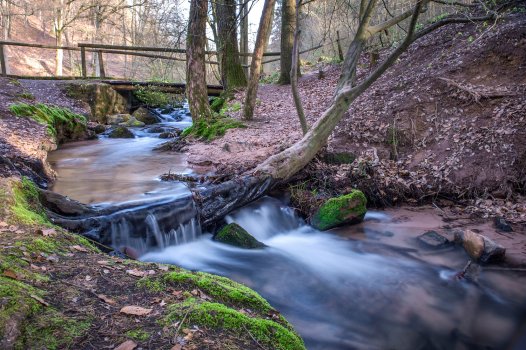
{"type": "Point", "coordinates": [369, 286]}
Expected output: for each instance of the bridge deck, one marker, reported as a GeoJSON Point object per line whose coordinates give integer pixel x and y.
{"type": "Point", "coordinates": [123, 85]}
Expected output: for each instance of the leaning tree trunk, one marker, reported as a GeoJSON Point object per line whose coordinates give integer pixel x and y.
{"type": "Point", "coordinates": [232, 73]}
{"type": "Point", "coordinates": [284, 165]}
{"type": "Point", "coordinates": [196, 90]}
{"type": "Point", "coordinates": [255, 66]}
{"type": "Point", "coordinates": [288, 27]}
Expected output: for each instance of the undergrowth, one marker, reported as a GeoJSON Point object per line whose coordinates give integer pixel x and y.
{"type": "Point", "coordinates": [210, 129]}
{"type": "Point", "coordinates": [54, 117]}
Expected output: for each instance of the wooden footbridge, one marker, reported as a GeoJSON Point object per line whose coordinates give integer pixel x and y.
{"type": "Point", "coordinates": [123, 84]}
{"type": "Point", "coordinates": [99, 73]}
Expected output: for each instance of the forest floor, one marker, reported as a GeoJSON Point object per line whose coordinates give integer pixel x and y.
{"type": "Point", "coordinates": [447, 124]}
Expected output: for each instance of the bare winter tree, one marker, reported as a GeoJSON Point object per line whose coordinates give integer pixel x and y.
{"type": "Point", "coordinates": [255, 66]}
{"type": "Point", "coordinates": [196, 90]}
{"type": "Point", "coordinates": [231, 71]}
{"type": "Point", "coordinates": [288, 28]}
{"type": "Point", "coordinates": [288, 162]}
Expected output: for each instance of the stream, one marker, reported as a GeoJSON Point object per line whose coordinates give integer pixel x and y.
{"type": "Point", "coordinates": [368, 286]}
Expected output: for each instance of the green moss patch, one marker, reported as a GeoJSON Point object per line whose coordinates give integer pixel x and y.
{"type": "Point", "coordinates": [52, 330]}
{"type": "Point", "coordinates": [211, 129]}
{"type": "Point", "coordinates": [26, 207]}
{"type": "Point", "coordinates": [219, 316]}
{"type": "Point", "coordinates": [235, 235]}
{"type": "Point", "coordinates": [221, 288]}
{"type": "Point", "coordinates": [343, 210]}
{"type": "Point", "coordinates": [61, 122]}
{"type": "Point", "coordinates": [138, 334]}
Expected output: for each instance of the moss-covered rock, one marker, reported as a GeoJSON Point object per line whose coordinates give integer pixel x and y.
{"type": "Point", "coordinates": [218, 316]}
{"type": "Point", "coordinates": [102, 99]}
{"type": "Point", "coordinates": [146, 116]}
{"type": "Point", "coordinates": [116, 119]}
{"type": "Point", "coordinates": [121, 132]}
{"type": "Point", "coordinates": [236, 235]}
{"type": "Point", "coordinates": [62, 124]}
{"type": "Point", "coordinates": [132, 122]}
{"type": "Point", "coordinates": [343, 210]}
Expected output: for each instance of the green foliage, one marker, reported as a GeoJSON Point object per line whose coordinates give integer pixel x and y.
{"type": "Point", "coordinates": [152, 97]}
{"type": "Point", "coordinates": [26, 207]}
{"type": "Point", "coordinates": [341, 210]}
{"type": "Point", "coordinates": [152, 284]}
{"type": "Point", "coordinates": [217, 104]}
{"type": "Point", "coordinates": [222, 288]}
{"type": "Point", "coordinates": [270, 78]}
{"type": "Point", "coordinates": [211, 129]}
{"type": "Point", "coordinates": [54, 117]}
{"type": "Point", "coordinates": [26, 95]}
{"type": "Point", "coordinates": [219, 316]}
{"type": "Point", "coordinates": [138, 334]}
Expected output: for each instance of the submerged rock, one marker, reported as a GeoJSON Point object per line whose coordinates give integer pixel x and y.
{"type": "Point", "coordinates": [502, 224]}
{"type": "Point", "coordinates": [433, 239]}
{"type": "Point", "coordinates": [146, 116]}
{"type": "Point", "coordinates": [121, 132]}
{"type": "Point", "coordinates": [235, 235]}
{"type": "Point", "coordinates": [99, 129]}
{"type": "Point", "coordinates": [479, 247]}
{"type": "Point", "coordinates": [338, 211]}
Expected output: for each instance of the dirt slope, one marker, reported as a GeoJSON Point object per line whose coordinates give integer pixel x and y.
{"type": "Point", "coordinates": [449, 119]}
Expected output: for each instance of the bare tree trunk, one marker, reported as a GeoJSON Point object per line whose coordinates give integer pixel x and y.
{"type": "Point", "coordinates": [59, 32]}
{"type": "Point", "coordinates": [196, 90]}
{"type": "Point", "coordinates": [232, 73]}
{"type": "Point", "coordinates": [255, 66]}
{"type": "Point", "coordinates": [243, 42]}
{"type": "Point", "coordinates": [289, 20]}
{"type": "Point", "coordinates": [285, 164]}
{"type": "Point", "coordinates": [294, 74]}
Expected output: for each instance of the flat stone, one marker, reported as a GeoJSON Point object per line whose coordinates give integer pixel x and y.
{"type": "Point", "coordinates": [433, 239]}
{"type": "Point", "coordinates": [502, 224]}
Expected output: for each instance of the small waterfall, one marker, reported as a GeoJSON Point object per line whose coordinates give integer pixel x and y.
{"type": "Point", "coordinates": [152, 226]}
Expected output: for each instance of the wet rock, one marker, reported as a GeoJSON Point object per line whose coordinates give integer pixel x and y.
{"type": "Point", "coordinates": [338, 211]}
{"type": "Point", "coordinates": [132, 122]}
{"type": "Point", "coordinates": [118, 118]}
{"type": "Point", "coordinates": [433, 239]}
{"type": "Point", "coordinates": [168, 135]}
{"type": "Point", "coordinates": [502, 224]}
{"type": "Point", "coordinates": [99, 129]}
{"type": "Point", "coordinates": [176, 145]}
{"type": "Point", "coordinates": [479, 247]}
{"type": "Point", "coordinates": [156, 130]}
{"type": "Point", "coordinates": [121, 132]}
{"type": "Point", "coordinates": [146, 116]}
{"type": "Point", "coordinates": [235, 235]}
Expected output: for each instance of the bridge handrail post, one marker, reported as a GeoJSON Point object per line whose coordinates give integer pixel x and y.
{"type": "Point", "coordinates": [101, 65]}
{"type": "Point", "coordinates": [3, 60]}
{"type": "Point", "coordinates": [83, 61]}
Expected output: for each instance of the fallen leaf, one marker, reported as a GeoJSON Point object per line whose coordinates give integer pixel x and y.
{"type": "Point", "coordinates": [106, 299]}
{"type": "Point", "coordinates": [39, 299]}
{"type": "Point", "coordinates": [135, 310]}
{"type": "Point", "coordinates": [49, 232]}
{"type": "Point", "coordinates": [11, 274]}
{"type": "Point", "coordinates": [177, 347]}
{"type": "Point", "coordinates": [80, 248]}
{"type": "Point", "coordinates": [136, 273]}
{"type": "Point", "coordinates": [127, 345]}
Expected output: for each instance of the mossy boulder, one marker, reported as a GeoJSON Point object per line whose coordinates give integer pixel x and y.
{"type": "Point", "coordinates": [236, 235]}
{"type": "Point", "coordinates": [338, 211]}
{"type": "Point", "coordinates": [116, 119]}
{"type": "Point", "coordinates": [132, 122]}
{"type": "Point", "coordinates": [146, 116]}
{"type": "Point", "coordinates": [121, 132]}
{"type": "Point", "coordinates": [102, 99]}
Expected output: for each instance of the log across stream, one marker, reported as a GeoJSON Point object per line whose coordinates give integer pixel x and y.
{"type": "Point", "coordinates": [369, 286]}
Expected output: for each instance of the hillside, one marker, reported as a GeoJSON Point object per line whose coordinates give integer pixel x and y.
{"type": "Point", "coordinates": [447, 121]}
